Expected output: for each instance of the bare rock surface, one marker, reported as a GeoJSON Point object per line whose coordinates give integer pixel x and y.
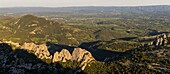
{"type": "Point", "coordinates": [80, 55]}
{"type": "Point", "coordinates": [161, 40]}
{"type": "Point", "coordinates": [63, 56]}
{"type": "Point", "coordinates": [41, 51]}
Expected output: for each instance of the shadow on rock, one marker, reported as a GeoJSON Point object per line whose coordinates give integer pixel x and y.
{"type": "Point", "coordinates": [99, 54]}
{"type": "Point", "coordinates": [20, 61]}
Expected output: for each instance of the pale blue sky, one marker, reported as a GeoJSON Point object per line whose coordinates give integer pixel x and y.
{"type": "Point", "coordinates": [65, 3]}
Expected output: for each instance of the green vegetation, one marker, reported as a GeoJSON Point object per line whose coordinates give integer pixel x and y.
{"type": "Point", "coordinates": [40, 30]}
{"type": "Point", "coordinates": [114, 37]}
{"type": "Point", "coordinates": [139, 62]}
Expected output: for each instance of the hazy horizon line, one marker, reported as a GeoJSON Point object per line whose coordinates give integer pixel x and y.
{"type": "Point", "coordinates": [79, 6]}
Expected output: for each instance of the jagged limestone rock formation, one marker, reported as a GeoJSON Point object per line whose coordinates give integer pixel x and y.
{"type": "Point", "coordinates": [15, 45]}
{"type": "Point", "coordinates": [83, 56]}
{"type": "Point", "coordinates": [56, 57]}
{"type": "Point", "coordinates": [161, 40]}
{"type": "Point", "coordinates": [63, 56]}
{"type": "Point", "coordinates": [41, 51]}
{"type": "Point", "coordinates": [21, 62]}
{"type": "Point", "coordinates": [80, 55]}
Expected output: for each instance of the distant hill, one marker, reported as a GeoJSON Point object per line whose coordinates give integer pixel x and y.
{"type": "Point", "coordinates": [29, 28]}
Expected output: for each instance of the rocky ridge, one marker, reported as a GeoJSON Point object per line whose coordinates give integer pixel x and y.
{"type": "Point", "coordinates": [21, 62]}
{"type": "Point", "coordinates": [37, 58]}
{"type": "Point", "coordinates": [41, 51]}
{"type": "Point", "coordinates": [161, 40]}
{"type": "Point", "coordinates": [80, 55]}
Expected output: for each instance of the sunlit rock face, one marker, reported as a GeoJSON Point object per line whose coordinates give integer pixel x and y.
{"type": "Point", "coordinates": [63, 56]}
{"type": "Point", "coordinates": [80, 55]}
{"type": "Point", "coordinates": [161, 40]}
{"type": "Point", "coordinates": [83, 56]}
{"type": "Point", "coordinates": [41, 51]}
{"type": "Point", "coordinates": [19, 61]}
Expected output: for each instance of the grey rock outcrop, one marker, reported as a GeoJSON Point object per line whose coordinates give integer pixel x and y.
{"type": "Point", "coordinates": [16, 45]}
{"type": "Point", "coordinates": [63, 56]}
{"type": "Point", "coordinates": [161, 40]}
{"type": "Point", "coordinates": [41, 51]}
{"type": "Point", "coordinates": [21, 62]}
{"type": "Point", "coordinates": [83, 56]}
{"type": "Point", "coordinates": [80, 55]}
